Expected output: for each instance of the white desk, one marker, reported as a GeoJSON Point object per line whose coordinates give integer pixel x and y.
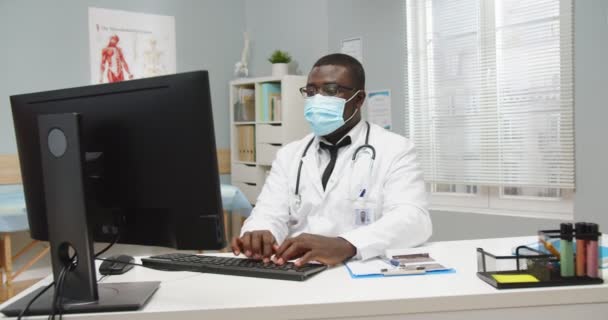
{"type": "Point", "coordinates": [333, 294]}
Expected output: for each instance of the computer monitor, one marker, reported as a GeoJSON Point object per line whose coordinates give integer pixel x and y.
{"type": "Point", "coordinates": [132, 162]}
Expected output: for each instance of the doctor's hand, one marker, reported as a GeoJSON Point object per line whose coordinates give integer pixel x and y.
{"type": "Point", "coordinates": [257, 244]}
{"type": "Point", "coordinates": [310, 247]}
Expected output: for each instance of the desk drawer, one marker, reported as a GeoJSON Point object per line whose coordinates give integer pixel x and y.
{"type": "Point", "coordinates": [266, 152]}
{"type": "Point", "coordinates": [247, 173]}
{"type": "Point", "coordinates": [250, 190]}
{"type": "Point", "coordinates": [269, 133]}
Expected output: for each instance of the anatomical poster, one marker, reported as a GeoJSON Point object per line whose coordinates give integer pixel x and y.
{"type": "Point", "coordinates": [128, 45]}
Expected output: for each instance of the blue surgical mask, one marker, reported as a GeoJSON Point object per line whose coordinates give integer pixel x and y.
{"type": "Point", "coordinates": [325, 113]}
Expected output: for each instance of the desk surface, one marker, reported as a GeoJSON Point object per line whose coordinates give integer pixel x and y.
{"type": "Point", "coordinates": [334, 294]}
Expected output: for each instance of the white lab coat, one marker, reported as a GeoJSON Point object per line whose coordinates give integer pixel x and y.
{"type": "Point", "coordinates": [396, 195]}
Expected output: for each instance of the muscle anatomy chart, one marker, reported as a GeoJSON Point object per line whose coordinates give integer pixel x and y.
{"type": "Point", "coordinates": [127, 45]}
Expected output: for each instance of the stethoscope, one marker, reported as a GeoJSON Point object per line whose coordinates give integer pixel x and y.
{"type": "Point", "coordinates": [365, 148]}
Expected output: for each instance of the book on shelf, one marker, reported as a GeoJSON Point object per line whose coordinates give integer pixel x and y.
{"type": "Point", "coordinates": [270, 102]}
{"type": "Point", "coordinates": [244, 107]}
{"type": "Point", "coordinates": [246, 143]}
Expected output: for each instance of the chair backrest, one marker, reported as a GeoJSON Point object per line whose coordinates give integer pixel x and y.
{"type": "Point", "coordinates": [223, 160]}
{"type": "Point", "coordinates": [10, 172]}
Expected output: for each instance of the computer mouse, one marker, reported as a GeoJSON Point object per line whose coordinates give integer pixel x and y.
{"type": "Point", "coordinates": [117, 264]}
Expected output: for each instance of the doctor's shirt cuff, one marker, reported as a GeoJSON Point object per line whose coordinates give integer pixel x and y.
{"type": "Point", "coordinates": [357, 255]}
{"type": "Point", "coordinates": [366, 249]}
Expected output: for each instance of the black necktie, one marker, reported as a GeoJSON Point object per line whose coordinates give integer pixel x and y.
{"type": "Point", "coordinates": [333, 154]}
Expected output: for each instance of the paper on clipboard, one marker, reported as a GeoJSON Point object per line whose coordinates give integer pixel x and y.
{"type": "Point", "coordinates": [366, 268]}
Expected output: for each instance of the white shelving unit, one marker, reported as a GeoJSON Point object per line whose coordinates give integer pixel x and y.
{"type": "Point", "coordinates": [270, 136]}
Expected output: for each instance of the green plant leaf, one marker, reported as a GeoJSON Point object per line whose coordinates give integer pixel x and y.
{"type": "Point", "coordinates": [279, 56]}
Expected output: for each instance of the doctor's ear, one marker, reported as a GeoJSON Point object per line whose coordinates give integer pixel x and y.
{"type": "Point", "coordinates": [360, 98]}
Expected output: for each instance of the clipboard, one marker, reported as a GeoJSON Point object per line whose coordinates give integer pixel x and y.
{"type": "Point", "coordinates": [372, 269]}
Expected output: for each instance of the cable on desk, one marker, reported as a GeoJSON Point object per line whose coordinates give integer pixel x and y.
{"type": "Point", "coordinates": [134, 264]}
{"type": "Point", "coordinates": [57, 294]}
{"type": "Point", "coordinates": [60, 284]}
{"type": "Point", "coordinates": [29, 304]}
{"type": "Point", "coordinates": [110, 245]}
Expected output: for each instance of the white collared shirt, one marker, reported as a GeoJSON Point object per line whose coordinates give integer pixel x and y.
{"type": "Point", "coordinates": [323, 156]}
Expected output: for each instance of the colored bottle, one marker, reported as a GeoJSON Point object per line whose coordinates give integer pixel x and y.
{"type": "Point", "coordinates": [566, 251]}
{"type": "Point", "coordinates": [581, 248]}
{"type": "Point", "coordinates": [592, 250]}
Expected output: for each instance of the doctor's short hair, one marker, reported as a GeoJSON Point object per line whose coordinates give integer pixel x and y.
{"type": "Point", "coordinates": [353, 66]}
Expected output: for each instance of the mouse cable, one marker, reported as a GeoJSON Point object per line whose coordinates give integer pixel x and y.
{"type": "Point", "coordinates": [110, 245]}
{"type": "Point", "coordinates": [133, 264]}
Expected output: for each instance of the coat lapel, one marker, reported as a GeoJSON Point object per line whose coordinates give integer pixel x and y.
{"type": "Point", "coordinates": [311, 171]}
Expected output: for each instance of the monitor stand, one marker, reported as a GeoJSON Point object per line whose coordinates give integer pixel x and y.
{"type": "Point", "coordinates": [69, 232]}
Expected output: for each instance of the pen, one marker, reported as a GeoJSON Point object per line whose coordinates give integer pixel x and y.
{"type": "Point", "coordinates": [401, 271]}
{"type": "Point", "coordinates": [392, 262]}
{"type": "Point", "coordinates": [550, 247]}
{"type": "Point", "coordinates": [362, 193]}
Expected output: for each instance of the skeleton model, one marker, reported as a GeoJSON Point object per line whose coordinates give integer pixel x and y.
{"type": "Point", "coordinates": [240, 68]}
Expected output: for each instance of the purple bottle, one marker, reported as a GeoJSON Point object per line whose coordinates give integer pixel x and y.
{"type": "Point", "coordinates": [592, 250]}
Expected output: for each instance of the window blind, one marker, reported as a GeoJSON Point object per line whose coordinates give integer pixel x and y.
{"type": "Point", "coordinates": [490, 91]}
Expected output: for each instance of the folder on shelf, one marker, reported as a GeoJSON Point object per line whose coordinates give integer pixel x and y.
{"type": "Point", "coordinates": [251, 143]}
{"type": "Point", "coordinates": [269, 90]}
{"type": "Point", "coordinates": [246, 143]}
{"type": "Point", "coordinates": [241, 141]}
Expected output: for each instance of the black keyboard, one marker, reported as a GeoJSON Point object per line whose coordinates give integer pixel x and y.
{"type": "Point", "coordinates": [232, 266]}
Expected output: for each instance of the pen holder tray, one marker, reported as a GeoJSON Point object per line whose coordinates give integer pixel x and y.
{"type": "Point", "coordinates": [528, 268]}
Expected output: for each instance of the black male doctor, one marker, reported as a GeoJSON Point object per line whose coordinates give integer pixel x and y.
{"type": "Point", "coordinates": [351, 189]}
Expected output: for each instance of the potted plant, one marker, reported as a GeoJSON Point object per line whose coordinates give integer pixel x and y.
{"type": "Point", "coordinates": [279, 60]}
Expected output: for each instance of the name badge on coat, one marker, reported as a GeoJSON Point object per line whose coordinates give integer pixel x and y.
{"type": "Point", "coordinates": [363, 213]}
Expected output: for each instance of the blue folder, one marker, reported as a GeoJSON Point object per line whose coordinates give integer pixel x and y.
{"type": "Point", "coordinates": [380, 275]}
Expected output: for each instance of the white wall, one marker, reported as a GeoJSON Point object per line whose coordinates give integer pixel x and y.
{"type": "Point", "coordinates": [591, 110]}
{"type": "Point", "coordinates": [299, 27]}
{"type": "Point", "coordinates": [380, 25]}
